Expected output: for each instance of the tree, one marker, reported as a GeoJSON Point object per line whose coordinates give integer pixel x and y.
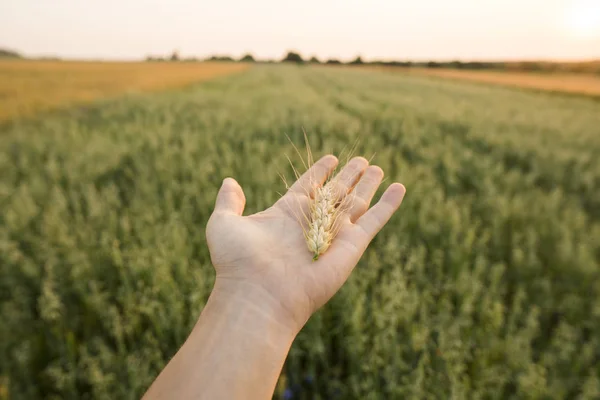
{"type": "Point", "coordinates": [6, 53]}
{"type": "Point", "coordinates": [456, 64]}
{"type": "Point", "coordinates": [357, 61]}
{"type": "Point", "coordinates": [293, 57]}
{"type": "Point", "coordinates": [333, 61]}
{"type": "Point", "coordinates": [247, 58]}
{"type": "Point", "coordinates": [175, 56]}
{"type": "Point", "coordinates": [314, 60]}
{"type": "Point", "coordinates": [220, 58]}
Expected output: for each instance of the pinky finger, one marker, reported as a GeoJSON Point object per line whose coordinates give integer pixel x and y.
{"type": "Point", "coordinates": [377, 216]}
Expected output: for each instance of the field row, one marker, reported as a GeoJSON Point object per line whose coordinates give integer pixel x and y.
{"type": "Point", "coordinates": [485, 285]}
{"type": "Point", "coordinates": [559, 82]}
{"type": "Point", "coordinates": [28, 87]}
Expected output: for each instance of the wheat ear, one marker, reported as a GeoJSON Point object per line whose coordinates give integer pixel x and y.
{"type": "Point", "coordinates": [319, 234]}
{"type": "Point", "coordinates": [324, 219]}
{"type": "Point", "coordinates": [322, 222]}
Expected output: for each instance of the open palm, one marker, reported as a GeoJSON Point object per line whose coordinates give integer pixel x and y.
{"type": "Point", "coordinates": [264, 256]}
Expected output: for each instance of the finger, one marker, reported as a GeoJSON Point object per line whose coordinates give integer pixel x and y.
{"type": "Point", "coordinates": [352, 240]}
{"type": "Point", "coordinates": [315, 175]}
{"type": "Point", "coordinates": [363, 193]}
{"type": "Point", "coordinates": [377, 216]}
{"type": "Point", "coordinates": [230, 198]}
{"type": "Point", "coordinates": [349, 176]}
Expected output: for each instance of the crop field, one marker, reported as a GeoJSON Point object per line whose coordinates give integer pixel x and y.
{"type": "Point", "coordinates": [562, 82]}
{"type": "Point", "coordinates": [485, 285]}
{"type": "Point", "coordinates": [28, 87]}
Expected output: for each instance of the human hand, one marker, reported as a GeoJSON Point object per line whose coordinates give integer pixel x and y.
{"type": "Point", "coordinates": [263, 259]}
{"type": "Point", "coordinates": [267, 283]}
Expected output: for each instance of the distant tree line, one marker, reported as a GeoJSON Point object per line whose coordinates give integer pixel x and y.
{"type": "Point", "coordinates": [6, 53]}
{"type": "Point", "coordinates": [294, 57]}
{"type": "Point", "coordinates": [525, 66]}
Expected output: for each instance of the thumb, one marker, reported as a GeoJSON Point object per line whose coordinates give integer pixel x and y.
{"type": "Point", "coordinates": [230, 199]}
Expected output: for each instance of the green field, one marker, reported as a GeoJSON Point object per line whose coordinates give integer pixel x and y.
{"type": "Point", "coordinates": [485, 285]}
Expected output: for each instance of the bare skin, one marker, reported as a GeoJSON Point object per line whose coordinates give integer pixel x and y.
{"type": "Point", "coordinates": [267, 284]}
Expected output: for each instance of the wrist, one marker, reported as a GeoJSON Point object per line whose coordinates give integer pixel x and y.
{"type": "Point", "coordinates": [237, 349]}
{"type": "Point", "coordinates": [253, 304]}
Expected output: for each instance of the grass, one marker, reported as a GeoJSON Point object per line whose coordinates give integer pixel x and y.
{"type": "Point", "coordinates": [571, 83]}
{"type": "Point", "coordinates": [28, 87]}
{"type": "Point", "coordinates": [485, 285]}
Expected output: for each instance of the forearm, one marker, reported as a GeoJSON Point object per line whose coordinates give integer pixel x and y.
{"type": "Point", "coordinates": [235, 351]}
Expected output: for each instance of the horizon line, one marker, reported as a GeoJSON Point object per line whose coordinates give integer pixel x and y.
{"type": "Point", "coordinates": [305, 58]}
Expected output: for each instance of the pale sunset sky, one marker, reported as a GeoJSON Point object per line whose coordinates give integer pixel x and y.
{"type": "Point", "coordinates": [374, 29]}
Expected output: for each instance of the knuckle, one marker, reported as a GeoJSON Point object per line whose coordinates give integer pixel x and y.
{"type": "Point", "coordinates": [360, 204]}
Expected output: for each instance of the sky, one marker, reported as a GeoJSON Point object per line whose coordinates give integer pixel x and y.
{"type": "Point", "coordinates": [343, 29]}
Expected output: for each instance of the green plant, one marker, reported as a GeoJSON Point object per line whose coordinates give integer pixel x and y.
{"type": "Point", "coordinates": [485, 285]}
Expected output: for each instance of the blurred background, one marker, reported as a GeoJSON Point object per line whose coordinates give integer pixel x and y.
{"type": "Point", "coordinates": [118, 122]}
